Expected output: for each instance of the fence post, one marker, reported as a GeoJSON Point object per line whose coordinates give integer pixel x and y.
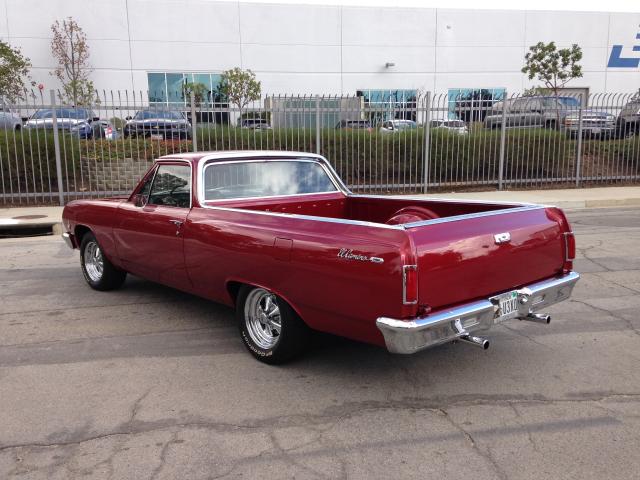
{"type": "Point", "coordinates": [194, 132]}
{"type": "Point", "coordinates": [579, 147]}
{"type": "Point", "coordinates": [503, 137]}
{"type": "Point", "coordinates": [56, 147]}
{"type": "Point", "coordinates": [426, 153]}
{"type": "Point", "coordinates": [318, 140]}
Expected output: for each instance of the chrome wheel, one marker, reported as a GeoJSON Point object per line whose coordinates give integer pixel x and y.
{"type": "Point", "coordinates": [93, 261]}
{"type": "Point", "coordinates": [262, 318]}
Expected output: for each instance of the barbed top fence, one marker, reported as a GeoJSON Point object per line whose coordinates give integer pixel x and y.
{"type": "Point", "coordinates": [51, 153]}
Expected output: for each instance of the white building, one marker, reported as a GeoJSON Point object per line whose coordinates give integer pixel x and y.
{"type": "Point", "coordinates": [156, 44]}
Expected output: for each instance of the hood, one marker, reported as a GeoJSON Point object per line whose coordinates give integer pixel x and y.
{"type": "Point", "coordinates": [48, 122]}
{"type": "Point", "coordinates": [157, 121]}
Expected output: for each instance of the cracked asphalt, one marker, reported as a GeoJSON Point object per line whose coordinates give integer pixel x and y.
{"type": "Point", "coordinates": [150, 383]}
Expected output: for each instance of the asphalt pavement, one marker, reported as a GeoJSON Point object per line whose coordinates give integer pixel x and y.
{"type": "Point", "coordinates": [147, 382]}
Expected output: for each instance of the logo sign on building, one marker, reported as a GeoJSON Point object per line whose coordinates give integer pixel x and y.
{"type": "Point", "coordinates": [619, 60]}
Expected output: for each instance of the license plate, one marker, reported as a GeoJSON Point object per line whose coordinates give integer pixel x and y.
{"type": "Point", "coordinates": [157, 136]}
{"type": "Point", "coordinates": [507, 306]}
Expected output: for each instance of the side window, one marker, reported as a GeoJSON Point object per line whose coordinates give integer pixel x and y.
{"type": "Point", "coordinates": [172, 186]}
{"type": "Point", "coordinates": [519, 105]}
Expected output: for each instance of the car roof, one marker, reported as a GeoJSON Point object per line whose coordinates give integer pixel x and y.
{"type": "Point", "coordinates": [218, 156]}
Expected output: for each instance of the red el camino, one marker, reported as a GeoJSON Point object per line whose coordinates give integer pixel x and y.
{"type": "Point", "coordinates": [278, 236]}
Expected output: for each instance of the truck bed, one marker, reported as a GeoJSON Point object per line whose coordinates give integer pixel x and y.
{"type": "Point", "coordinates": [367, 208]}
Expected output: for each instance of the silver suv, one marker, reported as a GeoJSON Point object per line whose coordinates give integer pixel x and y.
{"type": "Point", "coordinates": [526, 112]}
{"type": "Point", "coordinates": [628, 122]}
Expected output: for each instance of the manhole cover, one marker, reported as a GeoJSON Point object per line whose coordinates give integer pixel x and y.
{"type": "Point", "coordinates": [29, 217]}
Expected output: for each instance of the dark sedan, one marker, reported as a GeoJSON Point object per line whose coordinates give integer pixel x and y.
{"type": "Point", "coordinates": [158, 124]}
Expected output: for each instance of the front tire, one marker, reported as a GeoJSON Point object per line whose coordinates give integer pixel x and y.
{"type": "Point", "coordinates": [270, 329]}
{"type": "Point", "coordinates": [98, 271]}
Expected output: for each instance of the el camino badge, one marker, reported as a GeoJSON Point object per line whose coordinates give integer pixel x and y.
{"type": "Point", "coordinates": [348, 254]}
{"type": "Point", "coordinates": [502, 237]}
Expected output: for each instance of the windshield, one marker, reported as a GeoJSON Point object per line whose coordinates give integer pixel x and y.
{"type": "Point", "coordinates": [453, 123]}
{"type": "Point", "coordinates": [76, 113]}
{"type": "Point", "coordinates": [265, 179]}
{"type": "Point", "coordinates": [569, 101]}
{"type": "Point", "coordinates": [405, 125]}
{"type": "Point", "coordinates": [166, 114]}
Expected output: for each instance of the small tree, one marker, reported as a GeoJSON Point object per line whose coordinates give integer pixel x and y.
{"type": "Point", "coordinates": [14, 72]}
{"type": "Point", "coordinates": [553, 67]}
{"type": "Point", "coordinates": [239, 87]}
{"type": "Point", "coordinates": [69, 47]}
{"type": "Point", "coordinates": [199, 90]}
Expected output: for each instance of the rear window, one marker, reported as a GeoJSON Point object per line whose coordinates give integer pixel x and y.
{"type": "Point", "coordinates": [265, 179]}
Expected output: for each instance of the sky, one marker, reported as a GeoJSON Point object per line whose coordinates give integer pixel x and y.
{"type": "Point", "coordinates": [575, 5]}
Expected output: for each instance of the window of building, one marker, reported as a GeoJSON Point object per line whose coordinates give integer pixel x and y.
{"type": "Point", "coordinates": [389, 104]}
{"type": "Point", "coordinates": [472, 104]}
{"type": "Point", "coordinates": [168, 88]}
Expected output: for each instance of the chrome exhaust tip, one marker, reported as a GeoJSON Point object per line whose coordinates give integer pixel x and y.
{"type": "Point", "coordinates": [538, 318]}
{"type": "Point", "coordinates": [483, 343]}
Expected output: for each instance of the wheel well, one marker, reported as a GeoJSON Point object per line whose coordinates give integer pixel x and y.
{"type": "Point", "coordinates": [234, 288]}
{"type": "Point", "coordinates": [79, 232]}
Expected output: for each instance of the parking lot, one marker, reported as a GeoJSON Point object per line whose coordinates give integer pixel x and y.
{"type": "Point", "coordinates": [147, 382]}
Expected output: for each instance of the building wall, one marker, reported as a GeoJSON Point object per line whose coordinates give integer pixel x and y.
{"type": "Point", "coordinates": [321, 49]}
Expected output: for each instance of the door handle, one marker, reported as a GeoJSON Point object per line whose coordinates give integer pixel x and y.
{"type": "Point", "coordinates": [177, 223]}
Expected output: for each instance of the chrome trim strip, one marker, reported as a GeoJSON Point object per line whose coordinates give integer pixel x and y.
{"type": "Point", "coordinates": [274, 197]}
{"type": "Point", "coordinates": [444, 200]}
{"type": "Point", "coordinates": [308, 217]}
{"type": "Point", "coordinates": [409, 336]}
{"type": "Point", "coordinates": [293, 156]}
{"type": "Point", "coordinates": [468, 216]}
{"type": "Point", "coordinates": [248, 156]}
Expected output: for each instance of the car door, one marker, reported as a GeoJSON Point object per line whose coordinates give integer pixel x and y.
{"type": "Point", "coordinates": [149, 228]}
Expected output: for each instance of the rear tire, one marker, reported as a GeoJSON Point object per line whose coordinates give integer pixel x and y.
{"type": "Point", "coordinates": [98, 271]}
{"type": "Point", "coordinates": [270, 329]}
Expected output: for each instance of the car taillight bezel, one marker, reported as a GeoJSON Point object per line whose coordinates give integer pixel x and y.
{"type": "Point", "coordinates": [409, 284]}
{"type": "Point", "coordinates": [569, 250]}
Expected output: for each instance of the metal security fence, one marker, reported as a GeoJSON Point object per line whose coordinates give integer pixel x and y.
{"type": "Point", "coordinates": [51, 153]}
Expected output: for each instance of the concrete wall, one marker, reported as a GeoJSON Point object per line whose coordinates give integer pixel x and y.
{"type": "Point", "coordinates": [321, 49]}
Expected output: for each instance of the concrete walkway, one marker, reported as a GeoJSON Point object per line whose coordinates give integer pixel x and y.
{"type": "Point", "coordinates": [38, 217]}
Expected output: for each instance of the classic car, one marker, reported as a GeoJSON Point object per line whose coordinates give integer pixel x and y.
{"type": "Point", "coordinates": [280, 238]}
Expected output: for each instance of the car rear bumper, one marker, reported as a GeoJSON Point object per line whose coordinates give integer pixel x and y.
{"type": "Point", "coordinates": [410, 336]}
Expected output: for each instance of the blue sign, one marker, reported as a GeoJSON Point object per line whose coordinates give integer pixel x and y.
{"type": "Point", "coordinates": [616, 60]}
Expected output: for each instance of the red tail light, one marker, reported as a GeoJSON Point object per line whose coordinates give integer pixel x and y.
{"type": "Point", "coordinates": [410, 284]}
{"type": "Point", "coordinates": [569, 250]}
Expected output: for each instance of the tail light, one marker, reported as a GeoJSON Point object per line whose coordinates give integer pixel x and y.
{"type": "Point", "coordinates": [569, 250]}
{"type": "Point", "coordinates": [410, 284]}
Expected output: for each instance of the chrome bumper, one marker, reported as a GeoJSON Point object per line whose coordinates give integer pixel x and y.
{"type": "Point", "coordinates": [69, 240]}
{"type": "Point", "coordinates": [409, 336]}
